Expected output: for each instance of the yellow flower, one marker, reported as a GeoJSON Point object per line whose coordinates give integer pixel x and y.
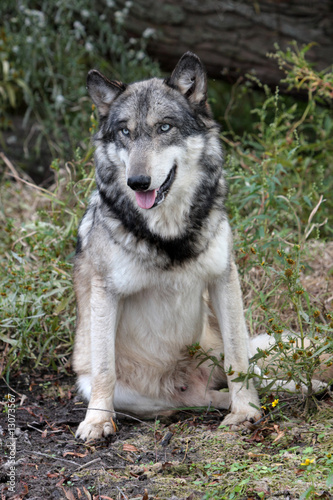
{"type": "Point", "coordinates": [264, 407]}
{"type": "Point", "coordinates": [308, 461]}
{"type": "Point", "coordinates": [275, 402]}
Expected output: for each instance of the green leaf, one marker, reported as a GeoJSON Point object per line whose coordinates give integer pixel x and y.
{"type": "Point", "coordinates": [329, 480]}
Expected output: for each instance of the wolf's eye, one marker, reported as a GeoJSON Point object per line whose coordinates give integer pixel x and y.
{"type": "Point", "coordinates": [165, 127]}
{"type": "Point", "coordinates": [125, 131]}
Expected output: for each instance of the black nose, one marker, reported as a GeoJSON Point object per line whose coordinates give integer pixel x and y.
{"type": "Point", "coordinates": [139, 182]}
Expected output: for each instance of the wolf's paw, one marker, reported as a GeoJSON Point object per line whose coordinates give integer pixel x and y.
{"type": "Point", "coordinates": [242, 419]}
{"type": "Point", "coordinates": [88, 431]}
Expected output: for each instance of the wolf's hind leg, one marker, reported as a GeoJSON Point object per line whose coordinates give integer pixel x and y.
{"type": "Point", "coordinates": [129, 400]}
{"type": "Point", "coordinates": [198, 394]}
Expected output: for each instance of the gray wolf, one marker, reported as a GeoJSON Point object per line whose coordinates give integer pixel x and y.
{"type": "Point", "coordinates": [154, 268]}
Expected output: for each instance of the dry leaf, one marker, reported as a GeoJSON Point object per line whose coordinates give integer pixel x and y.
{"type": "Point", "coordinates": [75, 454]}
{"type": "Point", "coordinates": [114, 425]}
{"type": "Point", "coordinates": [255, 455]}
{"type": "Point", "coordinates": [86, 492]}
{"type": "Point", "coordinates": [130, 447]}
{"type": "Point", "coordinates": [68, 493]}
{"type": "Point", "coordinates": [145, 495]}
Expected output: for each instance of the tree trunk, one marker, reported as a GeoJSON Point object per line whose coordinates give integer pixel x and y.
{"type": "Point", "coordinates": [233, 37]}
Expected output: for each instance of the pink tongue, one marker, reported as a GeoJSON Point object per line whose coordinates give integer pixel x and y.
{"type": "Point", "coordinates": [145, 199]}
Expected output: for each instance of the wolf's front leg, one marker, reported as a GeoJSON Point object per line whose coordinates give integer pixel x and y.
{"type": "Point", "coordinates": [227, 302]}
{"type": "Point", "coordinates": [99, 417]}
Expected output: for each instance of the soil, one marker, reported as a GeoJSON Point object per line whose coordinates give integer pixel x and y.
{"type": "Point", "coordinates": [188, 456]}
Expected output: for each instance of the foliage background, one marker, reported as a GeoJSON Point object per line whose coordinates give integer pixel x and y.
{"type": "Point", "coordinates": [278, 163]}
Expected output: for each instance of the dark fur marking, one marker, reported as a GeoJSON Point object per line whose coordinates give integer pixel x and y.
{"type": "Point", "coordinates": [180, 249]}
{"type": "Point", "coordinates": [78, 248]}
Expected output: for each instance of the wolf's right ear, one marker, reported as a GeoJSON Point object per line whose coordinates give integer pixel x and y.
{"type": "Point", "coordinates": [189, 77]}
{"type": "Point", "coordinates": [103, 91]}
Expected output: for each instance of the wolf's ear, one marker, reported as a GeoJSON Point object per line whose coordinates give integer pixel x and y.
{"type": "Point", "coordinates": [103, 91]}
{"type": "Point", "coordinates": [189, 77]}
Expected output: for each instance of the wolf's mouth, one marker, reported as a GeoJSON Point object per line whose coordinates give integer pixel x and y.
{"type": "Point", "coordinates": [154, 197]}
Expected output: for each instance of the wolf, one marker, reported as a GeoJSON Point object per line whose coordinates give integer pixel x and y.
{"type": "Point", "coordinates": [154, 267]}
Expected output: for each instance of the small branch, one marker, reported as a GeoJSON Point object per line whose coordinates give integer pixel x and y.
{"type": "Point", "coordinates": [18, 393]}
{"type": "Point", "coordinates": [34, 428]}
{"type": "Point", "coordinates": [89, 463]}
{"type": "Point", "coordinates": [54, 458]}
{"type": "Point", "coordinates": [11, 167]}
{"type": "Point", "coordinates": [123, 494]}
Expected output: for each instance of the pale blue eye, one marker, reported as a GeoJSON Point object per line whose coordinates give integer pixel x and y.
{"type": "Point", "coordinates": [125, 131]}
{"type": "Point", "coordinates": [165, 127]}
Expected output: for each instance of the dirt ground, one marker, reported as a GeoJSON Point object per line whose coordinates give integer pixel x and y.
{"type": "Point", "coordinates": [188, 456]}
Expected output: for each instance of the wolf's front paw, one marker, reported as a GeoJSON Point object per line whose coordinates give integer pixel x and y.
{"type": "Point", "coordinates": [89, 430]}
{"type": "Point", "coordinates": [239, 419]}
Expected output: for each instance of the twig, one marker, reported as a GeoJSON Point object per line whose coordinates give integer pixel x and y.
{"type": "Point", "coordinates": [126, 459]}
{"type": "Point", "coordinates": [11, 167]}
{"type": "Point", "coordinates": [21, 395]}
{"type": "Point", "coordinates": [89, 463]}
{"type": "Point", "coordinates": [33, 186]}
{"type": "Point", "coordinates": [34, 428]}
{"type": "Point", "coordinates": [54, 458]}
{"type": "Point", "coordinates": [134, 418]}
{"type": "Point", "coordinates": [117, 413]}
{"type": "Point", "coordinates": [123, 494]}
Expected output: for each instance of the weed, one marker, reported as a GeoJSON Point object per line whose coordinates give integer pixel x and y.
{"type": "Point", "coordinates": [37, 300]}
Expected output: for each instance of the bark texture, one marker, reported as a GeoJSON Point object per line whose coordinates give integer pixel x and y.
{"type": "Point", "coordinates": [233, 37]}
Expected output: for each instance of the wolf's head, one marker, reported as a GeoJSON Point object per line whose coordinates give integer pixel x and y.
{"type": "Point", "coordinates": [157, 146]}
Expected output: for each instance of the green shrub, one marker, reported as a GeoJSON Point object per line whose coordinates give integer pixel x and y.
{"type": "Point", "coordinates": [54, 44]}
{"type": "Point", "coordinates": [279, 169]}
{"type": "Point", "coordinates": [37, 307]}
{"type": "Point", "coordinates": [280, 181]}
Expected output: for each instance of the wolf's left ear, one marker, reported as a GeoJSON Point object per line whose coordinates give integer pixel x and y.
{"type": "Point", "coordinates": [189, 77]}
{"type": "Point", "coordinates": [103, 91]}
